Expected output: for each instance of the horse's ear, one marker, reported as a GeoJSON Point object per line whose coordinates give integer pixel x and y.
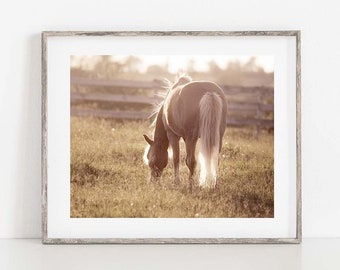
{"type": "Point", "coordinates": [148, 140]}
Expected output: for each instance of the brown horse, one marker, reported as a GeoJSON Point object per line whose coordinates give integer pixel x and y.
{"type": "Point", "coordinates": [191, 110]}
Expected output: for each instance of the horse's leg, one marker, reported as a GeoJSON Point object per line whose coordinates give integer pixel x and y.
{"type": "Point", "coordinates": [190, 145]}
{"type": "Point", "coordinates": [174, 143]}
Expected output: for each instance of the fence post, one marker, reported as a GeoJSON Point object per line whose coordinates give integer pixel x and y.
{"type": "Point", "coordinates": [259, 116]}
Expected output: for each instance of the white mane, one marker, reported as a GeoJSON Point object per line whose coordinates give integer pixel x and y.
{"type": "Point", "coordinates": [180, 79]}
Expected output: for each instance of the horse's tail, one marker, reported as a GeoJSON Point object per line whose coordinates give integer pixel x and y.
{"type": "Point", "coordinates": [209, 132]}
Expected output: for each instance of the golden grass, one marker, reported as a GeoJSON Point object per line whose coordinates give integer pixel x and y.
{"type": "Point", "coordinates": [109, 178]}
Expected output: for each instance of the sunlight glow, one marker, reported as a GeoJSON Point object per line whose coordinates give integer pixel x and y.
{"type": "Point", "coordinates": [178, 63]}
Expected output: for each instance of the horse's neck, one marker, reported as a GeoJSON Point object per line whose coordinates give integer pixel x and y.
{"type": "Point", "coordinates": [160, 136]}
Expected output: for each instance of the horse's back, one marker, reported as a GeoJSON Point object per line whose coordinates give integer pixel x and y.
{"type": "Point", "coordinates": [193, 91]}
{"type": "Point", "coordinates": [183, 108]}
{"type": "Point", "coordinates": [191, 94]}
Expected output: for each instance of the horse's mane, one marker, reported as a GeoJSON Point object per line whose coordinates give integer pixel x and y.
{"type": "Point", "coordinates": [180, 79]}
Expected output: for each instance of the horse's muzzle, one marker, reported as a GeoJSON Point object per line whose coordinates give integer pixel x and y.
{"type": "Point", "coordinates": [156, 173]}
{"type": "Point", "coordinates": [155, 176]}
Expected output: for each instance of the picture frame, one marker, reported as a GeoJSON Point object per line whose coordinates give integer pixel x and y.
{"type": "Point", "coordinates": [57, 225]}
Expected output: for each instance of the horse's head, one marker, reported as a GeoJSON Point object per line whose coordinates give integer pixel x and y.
{"type": "Point", "coordinates": [156, 158]}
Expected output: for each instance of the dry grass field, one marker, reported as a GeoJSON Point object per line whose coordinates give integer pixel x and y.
{"type": "Point", "coordinates": [109, 178]}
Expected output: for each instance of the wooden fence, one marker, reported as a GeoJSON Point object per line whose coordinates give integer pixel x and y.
{"type": "Point", "coordinates": [247, 106]}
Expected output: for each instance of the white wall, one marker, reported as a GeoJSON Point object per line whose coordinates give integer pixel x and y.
{"type": "Point", "coordinates": [20, 90]}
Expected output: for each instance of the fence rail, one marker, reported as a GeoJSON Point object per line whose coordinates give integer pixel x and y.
{"type": "Point", "coordinates": [247, 106]}
{"type": "Point", "coordinates": [157, 84]}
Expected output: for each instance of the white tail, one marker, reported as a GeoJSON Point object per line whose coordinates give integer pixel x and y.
{"type": "Point", "coordinates": [210, 120]}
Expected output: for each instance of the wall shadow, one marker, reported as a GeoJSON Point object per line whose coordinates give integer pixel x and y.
{"type": "Point", "coordinates": [27, 219]}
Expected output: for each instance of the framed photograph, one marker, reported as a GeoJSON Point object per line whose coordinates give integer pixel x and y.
{"type": "Point", "coordinates": [171, 137]}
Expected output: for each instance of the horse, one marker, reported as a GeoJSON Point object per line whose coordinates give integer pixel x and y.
{"type": "Point", "coordinates": [192, 110]}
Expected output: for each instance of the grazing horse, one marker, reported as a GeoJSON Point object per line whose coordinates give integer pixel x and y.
{"type": "Point", "coordinates": [191, 110]}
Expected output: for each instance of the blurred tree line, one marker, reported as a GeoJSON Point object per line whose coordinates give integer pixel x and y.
{"type": "Point", "coordinates": [234, 73]}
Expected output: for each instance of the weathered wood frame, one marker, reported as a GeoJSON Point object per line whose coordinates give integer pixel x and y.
{"type": "Point", "coordinates": [44, 138]}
